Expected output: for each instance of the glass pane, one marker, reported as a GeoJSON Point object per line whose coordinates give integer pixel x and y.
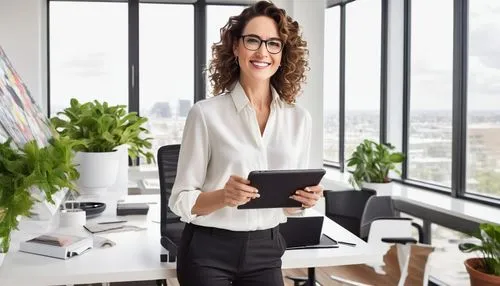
{"type": "Point", "coordinates": [88, 59]}
{"type": "Point", "coordinates": [429, 157]}
{"type": "Point", "coordinates": [166, 89]}
{"type": "Point", "coordinates": [331, 85]}
{"type": "Point", "coordinates": [362, 84]}
{"type": "Point", "coordinates": [217, 17]}
{"type": "Point", "coordinates": [483, 103]}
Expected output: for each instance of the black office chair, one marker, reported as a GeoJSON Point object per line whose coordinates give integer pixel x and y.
{"type": "Point", "coordinates": [346, 207]}
{"type": "Point", "coordinates": [379, 208]}
{"type": "Point", "coordinates": [171, 226]}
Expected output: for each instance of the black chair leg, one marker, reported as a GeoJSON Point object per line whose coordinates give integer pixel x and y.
{"type": "Point", "coordinates": [171, 256]}
{"type": "Point", "coordinates": [161, 282]}
{"type": "Point", "coordinates": [310, 280]}
{"type": "Point", "coordinates": [297, 281]}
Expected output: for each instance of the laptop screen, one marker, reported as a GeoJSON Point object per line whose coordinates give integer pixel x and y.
{"type": "Point", "coordinates": [302, 231]}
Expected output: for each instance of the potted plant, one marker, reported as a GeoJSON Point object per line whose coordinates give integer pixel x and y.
{"type": "Point", "coordinates": [485, 270]}
{"type": "Point", "coordinates": [101, 130]}
{"type": "Point", "coordinates": [48, 169]}
{"type": "Point", "coordinates": [372, 163]}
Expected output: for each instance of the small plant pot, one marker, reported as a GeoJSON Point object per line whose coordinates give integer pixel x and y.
{"type": "Point", "coordinates": [477, 277]}
{"type": "Point", "coordinates": [2, 254]}
{"type": "Point", "coordinates": [382, 189]}
{"type": "Point", "coordinates": [98, 171]}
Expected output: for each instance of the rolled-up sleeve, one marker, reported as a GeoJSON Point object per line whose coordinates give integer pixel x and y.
{"type": "Point", "coordinates": [192, 167]}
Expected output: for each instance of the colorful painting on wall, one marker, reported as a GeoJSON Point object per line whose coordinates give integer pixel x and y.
{"type": "Point", "coordinates": [20, 117]}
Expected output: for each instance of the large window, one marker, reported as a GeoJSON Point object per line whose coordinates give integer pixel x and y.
{"type": "Point", "coordinates": [166, 69]}
{"type": "Point", "coordinates": [430, 122]}
{"type": "Point", "coordinates": [331, 85]}
{"type": "Point", "coordinates": [362, 86]}
{"type": "Point", "coordinates": [88, 53]}
{"type": "Point", "coordinates": [483, 118]}
{"type": "Point", "coordinates": [217, 17]}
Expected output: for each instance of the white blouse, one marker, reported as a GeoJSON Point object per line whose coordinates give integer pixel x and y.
{"type": "Point", "coordinates": [222, 138]}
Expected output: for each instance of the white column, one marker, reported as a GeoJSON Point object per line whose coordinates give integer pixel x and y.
{"type": "Point", "coordinates": [395, 57]}
{"type": "Point", "coordinates": [310, 14]}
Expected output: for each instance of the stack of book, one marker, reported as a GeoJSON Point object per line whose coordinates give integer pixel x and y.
{"type": "Point", "coordinates": [57, 245]}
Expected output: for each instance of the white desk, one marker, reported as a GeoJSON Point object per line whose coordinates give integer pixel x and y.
{"type": "Point", "coordinates": [136, 255]}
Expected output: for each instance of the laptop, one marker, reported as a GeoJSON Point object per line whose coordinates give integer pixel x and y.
{"type": "Point", "coordinates": [305, 233]}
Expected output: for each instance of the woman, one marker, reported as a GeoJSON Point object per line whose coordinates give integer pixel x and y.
{"type": "Point", "coordinates": [254, 124]}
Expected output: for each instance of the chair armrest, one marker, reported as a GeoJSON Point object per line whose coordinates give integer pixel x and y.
{"type": "Point", "coordinates": [391, 218]}
{"type": "Point", "coordinates": [420, 231]}
{"type": "Point", "coordinates": [169, 245]}
{"type": "Point", "coordinates": [399, 240]}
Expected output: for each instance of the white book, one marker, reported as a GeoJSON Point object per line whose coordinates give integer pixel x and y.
{"type": "Point", "coordinates": [57, 245]}
{"type": "Point", "coordinates": [151, 184]}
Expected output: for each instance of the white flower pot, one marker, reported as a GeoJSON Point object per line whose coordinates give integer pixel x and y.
{"type": "Point", "coordinates": [2, 255]}
{"type": "Point", "coordinates": [383, 189]}
{"type": "Point", "coordinates": [120, 186]}
{"type": "Point", "coordinates": [97, 170]}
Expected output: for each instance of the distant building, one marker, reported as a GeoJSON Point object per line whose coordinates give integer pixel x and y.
{"type": "Point", "coordinates": [483, 146]}
{"type": "Point", "coordinates": [161, 109]}
{"type": "Point", "coordinates": [184, 107]}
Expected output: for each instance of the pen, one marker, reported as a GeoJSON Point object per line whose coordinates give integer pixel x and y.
{"type": "Point", "coordinates": [346, 243]}
{"type": "Point", "coordinates": [341, 242]}
{"type": "Point", "coordinates": [110, 222]}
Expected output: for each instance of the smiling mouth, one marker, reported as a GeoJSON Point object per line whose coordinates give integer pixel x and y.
{"type": "Point", "coordinates": [260, 64]}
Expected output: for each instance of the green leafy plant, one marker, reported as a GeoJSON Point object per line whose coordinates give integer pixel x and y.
{"type": "Point", "coordinates": [48, 168]}
{"type": "Point", "coordinates": [489, 234]}
{"type": "Point", "coordinates": [372, 162]}
{"type": "Point", "coordinates": [98, 127]}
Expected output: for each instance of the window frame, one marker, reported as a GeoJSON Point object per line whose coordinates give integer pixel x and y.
{"type": "Point", "coordinates": [459, 99]}
{"type": "Point", "coordinates": [199, 34]}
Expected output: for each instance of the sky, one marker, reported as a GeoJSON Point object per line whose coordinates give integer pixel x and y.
{"type": "Point", "coordinates": [431, 52]}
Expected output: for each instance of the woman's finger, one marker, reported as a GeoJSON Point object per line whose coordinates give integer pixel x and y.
{"type": "Point", "coordinates": [304, 201]}
{"type": "Point", "coordinates": [308, 195]}
{"type": "Point", "coordinates": [315, 189]}
{"type": "Point", "coordinates": [239, 179]}
{"type": "Point", "coordinates": [242, 187]}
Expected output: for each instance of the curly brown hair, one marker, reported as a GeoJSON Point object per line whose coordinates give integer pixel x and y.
{"type": "Point", "coordinates": [287, 80]}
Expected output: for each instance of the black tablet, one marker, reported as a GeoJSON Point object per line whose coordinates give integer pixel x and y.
{"type": "Point", "coordinates": [276, 186]}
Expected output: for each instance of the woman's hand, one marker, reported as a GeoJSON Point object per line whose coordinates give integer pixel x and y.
{"type": "Point", "coordinates": [237, 191]}
{"type": "Point", "coordinates": [309, 196]}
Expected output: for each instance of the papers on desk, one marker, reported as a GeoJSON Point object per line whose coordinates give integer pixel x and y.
{"type": "Point", "coordinates": [151, 184]}
{"type": "Point", "coordinates": [57, 245]}
{"type": "Point", "coordinates": [111, 227]}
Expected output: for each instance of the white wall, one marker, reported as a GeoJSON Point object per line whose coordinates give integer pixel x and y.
{"type": "Point", "coordinates": [23, 36]}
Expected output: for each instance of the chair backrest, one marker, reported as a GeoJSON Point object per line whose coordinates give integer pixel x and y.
{"type": "Point", "coordinates": [346, 207]}
{"type": "Point", "coordinates": [168, 157]}
{"type": "Point", "coordinates": [376, 207]}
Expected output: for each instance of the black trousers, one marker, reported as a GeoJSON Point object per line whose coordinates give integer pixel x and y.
{"type": "Point", "coordinates": [217, 257]}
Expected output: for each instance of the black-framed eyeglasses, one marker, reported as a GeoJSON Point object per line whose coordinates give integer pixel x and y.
{"type": "Point", "coordinates": [253, 43]}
